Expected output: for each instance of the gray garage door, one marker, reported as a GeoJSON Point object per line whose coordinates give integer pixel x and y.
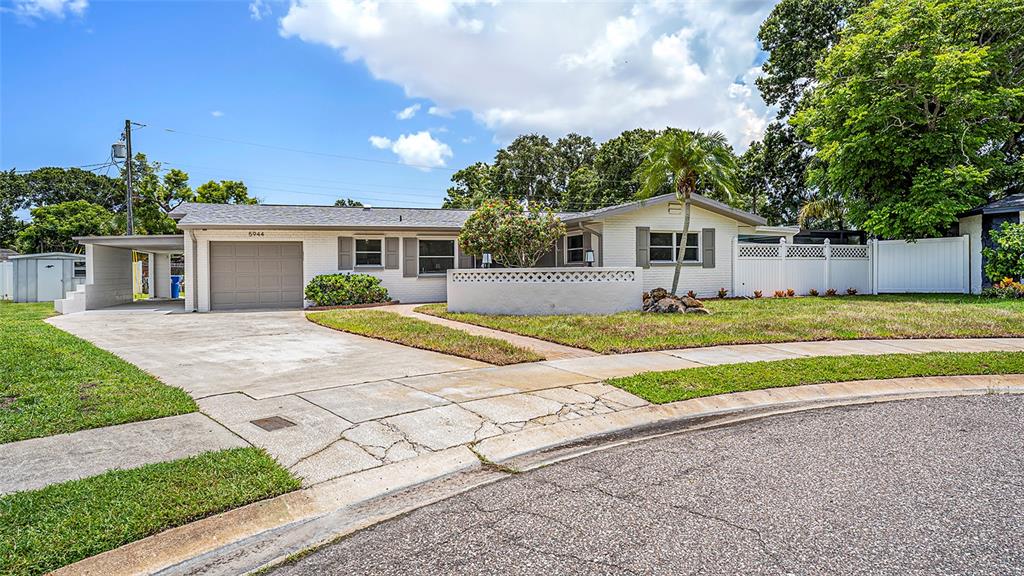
{"type": "Point", "coordinates": [255, 275]}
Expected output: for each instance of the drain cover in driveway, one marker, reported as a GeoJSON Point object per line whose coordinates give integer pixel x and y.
{"type": "Point", "coordinates": [273, 423]}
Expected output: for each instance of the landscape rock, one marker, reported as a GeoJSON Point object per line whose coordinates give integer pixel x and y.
{"type": "Point", "coordinates": [660, 300]}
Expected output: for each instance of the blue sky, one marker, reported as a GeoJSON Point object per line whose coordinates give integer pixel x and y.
{"type": "Point", "coordinates": [333, 78]}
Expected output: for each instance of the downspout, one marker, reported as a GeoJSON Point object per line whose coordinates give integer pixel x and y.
{"type": "Point", "coordinates": [600, 242]}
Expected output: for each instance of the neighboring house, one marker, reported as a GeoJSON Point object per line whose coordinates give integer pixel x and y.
{"type": "Point", "coordinates": [252, 256]}
{"type": "Point", "coordinates": [979, 222]}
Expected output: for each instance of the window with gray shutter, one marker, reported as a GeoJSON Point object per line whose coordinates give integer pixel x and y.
{"type": "Point", "coordinates": [643, 245]}
{"type": "Point", "coordinates": [391, 253]}
{"type": "Point", "coordinates": [410, 254]}
{"type": "Point", "coordinates": [346, 249]}
{"type": "Point", "coordinates": [708, 246]}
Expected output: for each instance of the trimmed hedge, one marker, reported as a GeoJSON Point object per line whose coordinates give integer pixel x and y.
{"type": "Point", "coordinates": [346, 289]}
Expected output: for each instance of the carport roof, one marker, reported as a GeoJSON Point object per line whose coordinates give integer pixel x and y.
{"type": "Point", "coordinates": [139, 242]}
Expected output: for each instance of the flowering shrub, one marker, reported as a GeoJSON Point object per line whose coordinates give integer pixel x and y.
{"type": "Point", "coordinates": [780, 294]}
{"type": "Point", "coordinates": [345, 289]}
{"type": "Point", "coordinates": [513, 236]}
{"type": "Point", "coordinates": [812, 292]}
{"type": "Point", "coordinates": [1005, 288]}
{"type": "Point", "coordinates": [830, 292]}
{"type": "Point", "coordinates": [790, 293]}
{"type": "Point", "coordinates": [722, 292]}
{"type": "Point", "coordinates": [851, 291]}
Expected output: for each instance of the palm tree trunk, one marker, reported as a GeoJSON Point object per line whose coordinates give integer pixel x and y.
{"type": "Point", "coordinates": [686, 234]}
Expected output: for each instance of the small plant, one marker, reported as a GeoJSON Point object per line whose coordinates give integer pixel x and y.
{"type": "Point", "coordinates": [1006, 288]}
{"type": "Point", "coordinates": [1006, 258]}
{"type": "Point", "coordinates": [851, 291]}
{"type": "Point", "coordinates": [780, 293]}
{"type": "Point", "coordinates": [830, 292]}
{"type": "Point", "coordinates": [758, 294]}
{"type": "Point", "coordinates": [722, 292]}
{"type": "Point", "coordinates": [692, 294]}
{"type": "Point", "coordinates": [812, 292]}
{"type": "Point", "coordinates": [790, 293]}
{"type": "Point", "coordinates": [345, 290]}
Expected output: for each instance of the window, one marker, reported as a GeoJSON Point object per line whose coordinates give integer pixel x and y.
{"type": "Point", "coordinates": [436, 256]}
{"type": "Point", "coordinates": [574, 248]}
{"type": "Point", "coordinates": [79, 269]}
{"type": "Point", "coordinates": [368, 252]}
{"type": "Point", "coordinates": [665, 247]}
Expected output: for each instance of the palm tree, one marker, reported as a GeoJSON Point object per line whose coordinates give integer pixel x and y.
{"type": "Point", "coordinates": [828, 209]}
{"type": "Point", "coordinates": [688, 161]}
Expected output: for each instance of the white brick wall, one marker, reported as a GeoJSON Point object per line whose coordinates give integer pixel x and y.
{"type": "Point", "coordinates": [620, 247]}
{"type": "Point", "coordinates": [320, 256]}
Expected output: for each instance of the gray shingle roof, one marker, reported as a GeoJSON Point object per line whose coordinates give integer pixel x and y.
{"type": "Point", "coordinates": [697, 199]}
{"type": "Point", "coordinates": [270, 215]}
{"type": "Point", "coordinates": [1011, 203]}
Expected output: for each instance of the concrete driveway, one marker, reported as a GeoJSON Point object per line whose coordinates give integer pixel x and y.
{"type": "Point", "coordinates": [261, 354]}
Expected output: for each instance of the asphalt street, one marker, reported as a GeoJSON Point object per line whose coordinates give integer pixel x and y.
{"type": "Point", "coordinates": [912, 487]}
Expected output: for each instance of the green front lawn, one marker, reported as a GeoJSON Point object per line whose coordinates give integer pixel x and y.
{"type": "Point", "coordinates": [769, 320]}
{"type": "Point", "coordinates": [52, 382]}
{"type": "Point", "coordinates": [422, 334]}
{"type": "Point", "coordinates": [41, 530]}
{"type": "Point", "coordinates": [674, 385]}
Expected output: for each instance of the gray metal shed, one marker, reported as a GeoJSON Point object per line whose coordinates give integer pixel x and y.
{"type": "Point", "coordinates": [46, 277]}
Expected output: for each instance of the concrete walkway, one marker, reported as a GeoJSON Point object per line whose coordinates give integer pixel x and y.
{"type": "Point", "coordinates": [549, 350]}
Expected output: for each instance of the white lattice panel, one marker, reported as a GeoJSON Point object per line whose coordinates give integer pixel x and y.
{"type": "Point", "coordinates": [805, 251]}
{"type": "Point", "coordinates": [541, 276]}
{"type": "Point", "coordinates": [849, 251]}
{"type": "Point", "coordinates": [758, 250]}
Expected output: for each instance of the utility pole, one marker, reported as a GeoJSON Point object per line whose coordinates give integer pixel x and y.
{"type": "Point", "coordinates": [130, 228]}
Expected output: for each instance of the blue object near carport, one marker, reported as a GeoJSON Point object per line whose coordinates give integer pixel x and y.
{"type": "Point", "coordinates": [176, 286]}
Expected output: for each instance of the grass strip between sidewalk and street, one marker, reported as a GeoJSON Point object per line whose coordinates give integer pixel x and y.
{"type": "Point", "coordinates": [675, 385]}
{"type": "Point", "coordinates": [425, 335]}
{"type": "Point", "coordinates": [763, 320]}
{"type": "Point", "coordinates": [52, 382]}
{"type": "Point", "coordinates": [42, 530]}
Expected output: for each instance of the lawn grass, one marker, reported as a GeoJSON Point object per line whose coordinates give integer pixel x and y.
{"type": "Point", "coordinates": [422, 334]}
{"type": "Point", "coordinates": [737, 321]}
{"type": "Point", "coordinates": [675, 385]}
{"type": "Point", "coordinates": [41, 530]}
{"type": "Point", "coordinates": [52, 382]}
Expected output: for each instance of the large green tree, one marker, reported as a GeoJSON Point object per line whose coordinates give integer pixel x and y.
{"type": "Point", "coordinates": [54, 226]}
{"type": "Point", "coordinates": [12, 193]}
{"type": "Point", "coordinates": [918, 112]}
{"type": "Point", "coordinates": [526, 169]}
{"type": "Point", "coordinates": [473, 185]}
{"type": "Point", "coordinates": [616, 164]}
{"type": "Point", "coordinates": [688, 161]}
{"type": "Point", "coordinates": [51, 185]}
{"type": "Point", "coordinates": [773, 173]}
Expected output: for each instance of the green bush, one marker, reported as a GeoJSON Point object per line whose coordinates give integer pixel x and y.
{"type": "Point", "coordinates": [1006, 260]}
{"type": "Point", "coordinates": [346, 289]}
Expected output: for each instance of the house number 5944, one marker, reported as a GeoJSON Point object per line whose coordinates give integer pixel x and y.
{"type": "Point", "coordinates": [251, 234]}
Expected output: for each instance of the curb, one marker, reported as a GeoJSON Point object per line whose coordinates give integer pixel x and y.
{"type": "Point", "coordinates": [267, 533]}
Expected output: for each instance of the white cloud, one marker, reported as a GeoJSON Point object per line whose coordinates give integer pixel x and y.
{"type": "Point", "coordinates": [420, 150]}
{"type": "Point", "coordinates": [258, 9]}
{"type": "Point", "coordinates": [438, 111]}
{"type": "Point", "coordinates": [48, 8]}
{"type": "Point", "coordinates": [597, 68]}
{"type": "Point", "coordinates": [216, 113]}
{"type": "Point", "coordinates": [407, 112]}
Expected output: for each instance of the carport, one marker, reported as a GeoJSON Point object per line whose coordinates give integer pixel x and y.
{"type": "Point", "coordinates": [109, 267]}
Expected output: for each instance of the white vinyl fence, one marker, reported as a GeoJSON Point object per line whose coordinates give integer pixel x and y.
{"type": "Point", "coordinates": [536, 291]}
{"type": "Point", "coordinates": [7, 280]}
{"type": "Point", "coordinates": [932, 265]}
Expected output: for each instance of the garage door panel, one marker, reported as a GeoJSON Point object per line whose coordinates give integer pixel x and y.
{"type": "Point", "coordinates": [255, 274]}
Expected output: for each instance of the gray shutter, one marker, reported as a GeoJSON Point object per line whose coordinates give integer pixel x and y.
{"type": "Point", "coordinates": [391, 253]}
{"type": "Point", "coordinates": [346, 252]}
{"type": "Point", "coordinates": [465, 260]}
{"type": "Point", "coordinates": [643, 246]}
{"type": "Point", "coordinates": [560, 252]}
{"type": "Point", "coordinates": [708, 246]}
{"type": "Point", "coordinates": [410, 257]}
{"type": "Point", "coordinates": [587, 242]}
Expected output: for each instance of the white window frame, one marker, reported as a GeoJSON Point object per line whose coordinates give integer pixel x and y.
{"type": "Point", "coordinates": [78, 269]}
{"type": "Point", "coordinates": [420, 257]}
{"type": "Point", "coordinates": [356, 252]}
{"type": "Point", "coordinates": [676, 248]}
{"type": "Point", "coordinates": [582, 249]}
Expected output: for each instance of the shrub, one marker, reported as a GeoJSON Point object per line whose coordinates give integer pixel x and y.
{"type": "Point", "coordinates": [722, 292]}
{"type": "Point", "coordinates": [830, 292]}
{"type": "Point", "coordinates": [1006, 260]}
{"type": "Point", "coordinates": [345, 289]}
{"type": "Point", "coordinates": [513, 236]}
{"type": "Point", "coordinates": [851, 291]}
{"type": "Point", "coordinates": [758, 294]}
{"type": "Point", "coordinates": [692, 294]}
{"type": "Point", "coordinates": [780, 293]}
{"type": "Point", "coordinates": [790, 293]}
{"type": "Point", "coordinates": [1005, 289]}
{"type": "Point", "coordinates": [812, 292]}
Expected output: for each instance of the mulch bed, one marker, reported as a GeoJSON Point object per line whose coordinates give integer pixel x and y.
{"type": "Point", "coordinates": [353, 306]}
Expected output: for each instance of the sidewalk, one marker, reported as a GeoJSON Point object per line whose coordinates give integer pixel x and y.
{"type": "Point", "coordinates": [343, 430]}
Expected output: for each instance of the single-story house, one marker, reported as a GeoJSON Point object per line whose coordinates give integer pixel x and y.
{"type": "Point", "coordinates": [262, 256]}
{"type": "Point", "coordinates": [979, 222]}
